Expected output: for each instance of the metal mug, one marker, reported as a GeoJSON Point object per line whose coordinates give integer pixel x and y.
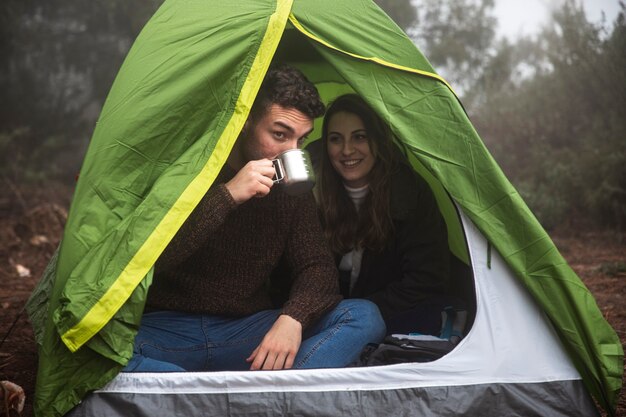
{"type": "Point", "coordinates": [294, 171]}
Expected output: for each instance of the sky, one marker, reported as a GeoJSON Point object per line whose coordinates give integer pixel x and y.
{"type": "Point", "coordinates": [525, 17]}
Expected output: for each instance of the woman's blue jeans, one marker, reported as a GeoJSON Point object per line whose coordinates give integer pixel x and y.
{"type": "Point", "coordinates": [170, 341]}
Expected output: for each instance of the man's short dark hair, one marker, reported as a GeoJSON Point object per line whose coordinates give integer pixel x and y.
{"type": "Point", "coordinates": [289, 88]}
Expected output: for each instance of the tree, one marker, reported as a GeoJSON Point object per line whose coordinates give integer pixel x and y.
{"type": "Point", "coordinates": [60, 58]}
{"type": "Point", "coordinates": [401, 11]}
{"type": "Point", "coordinates": [456, 36]}
{"type": "Point", "coordinates": [551, 111]}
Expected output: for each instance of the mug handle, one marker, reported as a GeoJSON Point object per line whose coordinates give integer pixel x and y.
{"type": "Point", "coordinates": [280, 172]}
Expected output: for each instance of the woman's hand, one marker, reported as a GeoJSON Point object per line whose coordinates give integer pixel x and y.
{"type": "Point", "coordinates": [279, 347]}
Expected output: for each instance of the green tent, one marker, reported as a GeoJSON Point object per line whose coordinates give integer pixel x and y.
{"type": "Point", "coordinates": [168, 125]}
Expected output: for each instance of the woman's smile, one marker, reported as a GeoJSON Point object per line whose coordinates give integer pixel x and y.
{"type": "Point", "coordinates": [350, 163]}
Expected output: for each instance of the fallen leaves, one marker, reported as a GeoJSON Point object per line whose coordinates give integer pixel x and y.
{"type": "Point", "coordinates": [22, 271]}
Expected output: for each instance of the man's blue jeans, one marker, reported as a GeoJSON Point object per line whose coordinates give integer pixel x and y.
{"type": "Point", "coordinates": [170, 341]}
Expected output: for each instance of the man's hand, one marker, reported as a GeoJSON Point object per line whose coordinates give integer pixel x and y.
{"type": "Point", "coordinates": [253, 180]}
{"type": "Point", "coordinates": [279, 347]}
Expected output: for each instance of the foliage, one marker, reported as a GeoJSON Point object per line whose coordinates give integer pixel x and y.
{"type": "Point", "coordinates": [59, 60]}
{"type": "Point", "coordinates": [23, 163]}
{"type": "Point", "coordinates": [401, 11]}
{"type": "Point", "coordinates": [455, 36]}
{"type": "Point", "coordinates": [613, 269]}
{"type": "Point", "coordinates": [551, 109]}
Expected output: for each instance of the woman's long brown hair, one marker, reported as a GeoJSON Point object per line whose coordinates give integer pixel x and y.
{"type": "Point", "coordinates": [372, 226]}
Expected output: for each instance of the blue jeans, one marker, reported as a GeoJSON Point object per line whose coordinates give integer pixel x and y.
{"type": "Point", "coordinates": [170, 341]}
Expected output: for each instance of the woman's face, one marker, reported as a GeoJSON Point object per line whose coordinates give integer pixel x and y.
{"type": "Point", "coordinates": [349, 149]}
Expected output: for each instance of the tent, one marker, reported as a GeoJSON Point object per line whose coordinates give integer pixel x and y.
{"type": "Point", "coordinates": [538, 345]}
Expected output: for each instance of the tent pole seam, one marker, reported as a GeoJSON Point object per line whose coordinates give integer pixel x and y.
{"type": "Point", "coordinates": [379, 61]}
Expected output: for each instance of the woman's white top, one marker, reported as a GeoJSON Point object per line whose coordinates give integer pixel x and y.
{"type": "Point", "coordinates": [351, 261]}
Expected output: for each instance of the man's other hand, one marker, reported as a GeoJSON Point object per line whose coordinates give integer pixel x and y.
{"type": "Point", "coordinates": [253, 180]}
{"type": "Point", "coordinates": [279, 347]}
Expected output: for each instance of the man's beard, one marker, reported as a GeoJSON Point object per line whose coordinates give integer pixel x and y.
{"type": "Point", "coordinates": [248, 150]}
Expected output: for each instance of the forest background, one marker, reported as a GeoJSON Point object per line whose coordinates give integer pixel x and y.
{"type": "Point", "coordinates": [550, 107]}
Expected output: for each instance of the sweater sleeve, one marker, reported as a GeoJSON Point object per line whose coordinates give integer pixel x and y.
{"type": "Point", "coordinates": [208, 215]}
{"type": "Point", "coordinates": [421, 246]}
{"type": "Point", "coordinates": [315, 289]}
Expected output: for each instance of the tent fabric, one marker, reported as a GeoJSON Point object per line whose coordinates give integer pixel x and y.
{"type": "Point", "coordinates": [487, 374]}
{"type": "Point", "coordinates": [169, 122]}
{"type": "Point", "coordinates": [540, 399]}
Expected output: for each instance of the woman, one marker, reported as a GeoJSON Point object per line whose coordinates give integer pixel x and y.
{"type": "Point", "coordinates": [381, 220]}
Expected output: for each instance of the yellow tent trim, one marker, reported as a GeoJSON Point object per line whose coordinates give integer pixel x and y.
{"type": "Point", "coordinates": [379, 61]}
{"type": "Point", "coordinates": [117, 294]}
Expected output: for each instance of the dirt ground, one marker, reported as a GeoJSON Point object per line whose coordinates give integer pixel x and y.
{"type": "Point", "coordinates": [31, 223]}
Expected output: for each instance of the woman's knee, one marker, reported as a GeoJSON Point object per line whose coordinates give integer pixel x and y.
{"type": "Point", "coordinates": [366, 315]}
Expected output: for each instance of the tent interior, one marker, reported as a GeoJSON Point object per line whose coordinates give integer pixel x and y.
{"type": "Point", "coordinates": [295, 50]}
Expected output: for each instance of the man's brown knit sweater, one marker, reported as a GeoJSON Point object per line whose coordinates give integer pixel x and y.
{"type": "Point", "coordinates": [220, 261]}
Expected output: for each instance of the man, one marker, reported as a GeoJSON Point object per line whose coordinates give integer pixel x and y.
{"type": "Point", "coordinates": [209, 306]}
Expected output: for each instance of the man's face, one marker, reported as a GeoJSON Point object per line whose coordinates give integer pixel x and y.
{"type": "Point", "coordinates": [280, 129]}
